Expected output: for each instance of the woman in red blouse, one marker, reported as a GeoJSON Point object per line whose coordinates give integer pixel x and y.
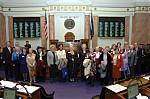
{"type": "Point", "coordinates": [117, 65]}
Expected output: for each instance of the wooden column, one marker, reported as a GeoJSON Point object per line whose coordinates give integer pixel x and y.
{"type": "Point", "coordinates": [87, 27]}
{"type": "Point", "coordinates": [51, 27]}
{"type": "Point", "coordinates": [94, 39]}
{"type": "Point", "coordinates": [2, 31]}
{"type": "Point", "coordinates": [10, 28]}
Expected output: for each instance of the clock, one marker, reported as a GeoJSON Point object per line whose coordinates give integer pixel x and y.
{"type": "Point", "coordinates": [69, 23]}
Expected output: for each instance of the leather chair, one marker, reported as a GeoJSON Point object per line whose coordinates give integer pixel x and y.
{"type": "Point", "coordinates": [44, 95]}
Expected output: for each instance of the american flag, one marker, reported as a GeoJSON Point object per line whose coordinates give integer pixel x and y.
{"type": "Point", "coordinates": [45, 26]}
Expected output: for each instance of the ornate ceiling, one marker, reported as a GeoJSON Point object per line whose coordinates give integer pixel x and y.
{"type": "Point", "coordinates": [107, 3]}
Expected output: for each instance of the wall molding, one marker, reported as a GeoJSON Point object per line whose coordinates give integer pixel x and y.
{"type": "Point", "coordinates": [68, 8]}
{"type": "Point", "coordinates": [52, 9]}
{"type": "Point", "coordinates": [142, 9]}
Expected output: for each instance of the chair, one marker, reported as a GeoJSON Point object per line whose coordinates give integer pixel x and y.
{"type": "Point", "coordinates": [96, 97]}
{"type": "Point", "coordinates": [44, 95]}
{"type": "Point", "coordinates": [9, 93]}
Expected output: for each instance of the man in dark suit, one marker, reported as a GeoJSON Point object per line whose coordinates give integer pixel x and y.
{"type": "Point", "coordinates": [7, 52]}
{"type": "Point", "coordinates": [27, 46]}
{"type": "Point", "coordinates": [138, 58]}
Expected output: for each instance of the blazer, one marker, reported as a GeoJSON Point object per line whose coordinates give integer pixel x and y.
{"type": "Point", "coordinates": [81, 56]}
{"type": "Point", "coordinates": [131, 58]}
{"type": "Point", "coordinates": [50, 58]}
{"type": "Point", "coordinates": [7, 55]}
{"type": "Point", "coordinates": [138, 54]}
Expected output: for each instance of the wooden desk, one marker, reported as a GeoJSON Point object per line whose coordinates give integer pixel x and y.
{"type": "Point", "coordinates": [144, 89]}
{"type": "Point", "coordinates": [34, 91]}
{"type": "Point", "coordinates": [35, 95]}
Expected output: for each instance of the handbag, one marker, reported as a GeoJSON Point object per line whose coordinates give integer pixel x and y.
{"type": "Point", "coordinates": [64, 72]}
{"type": "Point", "coordinates": [86, 62]}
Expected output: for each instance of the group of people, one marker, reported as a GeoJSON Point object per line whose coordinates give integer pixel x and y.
{"type": "Point", "coordinates": [106, 65]}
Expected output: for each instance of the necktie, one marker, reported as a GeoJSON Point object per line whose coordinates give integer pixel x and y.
{"type": "Point", "coordinates": [54, 58]}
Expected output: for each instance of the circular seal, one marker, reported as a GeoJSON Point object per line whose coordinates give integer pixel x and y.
{"type": "Point", "coordinates": [69, 23]}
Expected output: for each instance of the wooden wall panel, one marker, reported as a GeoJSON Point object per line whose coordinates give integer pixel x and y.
{"type": "Point", "coordinates": [127, 24]}
{"type": "Point", "coordinates": [148, 27]}
{"type": "Point", "coordinates": [10, 29]}
{"type": "Point", "coordinates": [87, 27]}
{"type": "Point", "coordinates": [51, 28]}
{"type": "Point", "coordinates": [95, 38]}
{"type": "Point", "coordinates": [141, 31]}
{"type": "Point", "coordinates": [2, 31]}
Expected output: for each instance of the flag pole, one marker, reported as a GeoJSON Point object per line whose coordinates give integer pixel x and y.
{"type": "Point", "coordinates": [91, 29]}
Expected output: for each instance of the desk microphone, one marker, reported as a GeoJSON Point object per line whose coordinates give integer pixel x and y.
{"type": "Point", "coordinates": [23, 85]}
{"type": "Point", "coordinates": [137, 78]}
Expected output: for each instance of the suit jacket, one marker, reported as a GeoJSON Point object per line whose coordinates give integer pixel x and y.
{"type": "Point", "coordinates": [131, 58]}
{"type": "Point", "coordinates": [7, 55]}
{"type": "Point", "coordinates": [138, 54]}
{"type": "Point", "coordinates": [50, 58]}
{"type": "Point", "coordinates": [27, 45]}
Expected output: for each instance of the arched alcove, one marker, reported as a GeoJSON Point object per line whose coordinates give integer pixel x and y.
{"type": "Point", "coordinates": [69, 37]}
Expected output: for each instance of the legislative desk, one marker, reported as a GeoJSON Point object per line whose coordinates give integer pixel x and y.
{"type": "Point", "coordinates": [21, 92]}
{"type": "Point", "coordinates": [144, 89]}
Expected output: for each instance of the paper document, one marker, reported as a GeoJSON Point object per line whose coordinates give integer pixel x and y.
{"type": "Point", "coordinates": [116, 88]}
{"type": "Point", "coordinates": [30, 89]}
{"type": "Point", "coordinates": [8, 84]}
{"type": "Point", "coordinates": [147, 77]}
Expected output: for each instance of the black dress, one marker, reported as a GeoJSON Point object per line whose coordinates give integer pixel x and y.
{"type": "Point", "coordinates": [1, 59]}
{"type": "Point", "coordinates": [72, 64]}
{"type": "Point", "coordinates": [82, 56]}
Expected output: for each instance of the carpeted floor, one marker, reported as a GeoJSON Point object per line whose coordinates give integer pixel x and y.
{"type": "Point", "coordinates": [68, 90]}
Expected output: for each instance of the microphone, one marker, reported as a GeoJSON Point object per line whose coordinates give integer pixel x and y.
{"type": "Point", "coordinates": [136, 78]}
{"type": "Point", "coordinates": [23, 85]}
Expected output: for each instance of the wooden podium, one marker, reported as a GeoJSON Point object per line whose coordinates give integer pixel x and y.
{"type": "Point", "coordinates": [53, 42]}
